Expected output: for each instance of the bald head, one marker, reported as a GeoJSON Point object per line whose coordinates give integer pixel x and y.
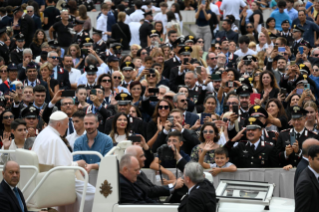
{"type": "Point", "coordinates": [129, 167]}
{"type": "Point", "coordinates": [307, 144]}
{"type": "Point", "coordinates": [11, 173]}
{"type": "Point", "coordinates": [138, 152]}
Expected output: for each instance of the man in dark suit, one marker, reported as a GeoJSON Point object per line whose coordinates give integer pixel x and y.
{"type": "Point", "coordinates": [27, 26]}
{"type": "Point", "coordinates": [304, 162]}
{"type": "Point", "coordinates": [146, 28]}
{"type": "Point", "coordinates": [152, 191]}
{"type": "Point", "coordinates": [130, 191]}
{"type": "Point", "coordinates": [58, 72]}
{"type": "Point", "coordinates": [11, 198]}
{"type": "Point", "coordinates": [307, 188]}
{"type": "Point", "coordinates": [12, 76]}
{"type": "Point", "coordinates": [16, 55]}
{"type": "Point", "coordinates": [227, 32]}
{"type": "Point", "coordinates": [36, 19]}
{"type": "Point", "coordinates": [175, 61]}
{"type": "Point", "coordinates": [5, 20]}
{"type": "Point", "coordinates": [180, 102]}
{"type": "Point", "coordinates": [201, 195]}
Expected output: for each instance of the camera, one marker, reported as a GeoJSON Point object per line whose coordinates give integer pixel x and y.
{"type": "Point", "coordinates": [165, 153]}
{"type": "Point", "coordinates": [247, 62]}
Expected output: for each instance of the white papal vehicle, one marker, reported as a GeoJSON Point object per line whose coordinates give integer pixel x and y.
{"type": "Point", "coordinates": [55, 187]}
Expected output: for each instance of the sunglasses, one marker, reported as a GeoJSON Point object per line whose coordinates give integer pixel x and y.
{"type": "Point", "coordinates": [3, 71]}
{"type": "Point", "coordinates": [225, 119]}
{"type": "Point", "coordinates": [54, 58]}
{"type": "Point", "coordinates": [19, 87]}
{"type": "Point", "coordinates": [29, 11]}
{"type": "Point", "coordinates": [9, 99]}
{"type": "Point", "coordinates": [144, 53]}
{"type": "Point", "coordinates": [166, 107]}
{"type": "Point", "coordinates": [8, 117]}
{"type": "Point", "coordinates": [200, 41]}
{"type": "Point", "coordinates": [183, 100]}
{"type": "Point", "coordinates": [256, 75]}
{"type": "Point", "coordinates": [115, 77]}
{"type": "Point", "coordinates": [213, 58]}
{"type": "Point", "coordinates": [231, 103]}
{"type": "Point", "coordinates": [316, 55]}
{"type": "Point", "coordinates": [208, 131]}
{"type": "Point", "coordinates": [151, 75]}
{"type": "Point", "coordinates": [315, 70]}
{"type": "Point", "coordinates": [106, 80]}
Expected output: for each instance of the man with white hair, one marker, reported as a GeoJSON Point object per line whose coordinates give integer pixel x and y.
{"type": "Point", "coordinates": [36, 19]}
{"type": "Point", "coordinates": [201, 195]}
{"type": "Point", "coordinates": [53, 151]}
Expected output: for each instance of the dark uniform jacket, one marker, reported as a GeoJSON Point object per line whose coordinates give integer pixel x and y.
{"type": "Point", "coordinates": [202, 198]}
{"type": "Point", "coordinates": [145, 30]}
{"type": "Point", "coordinates": [307, 192]}
{"type": "Point", "coordinates": [169, 64]}
{"type": "Point", "coordinates": [301, 166]}
{"type": "Point", "coordinates": [9, 201]}
{"type": "Point", "coordinates": [100, 46]}
{"type": "Point", "coordinates": [288, 37]}
{"type": "Point", "coordinates": [175, 79]}
{"type": "Point", "coordinates": [284, 140]}
{"type": "Point", "coordinates": [4, 52]}
{"type": "Point", "coordinates": [294, 47]}
{"type": "Point", "coordinates": [244, 157]}
{"type": "Point", "coordinates": [27, 28]}
{"type": "Point", "coordinates": [16, 56]}
{"type": "Point", "coordinates": [78, 38]}
{"type": "Point", "coordinates": [137, 125]}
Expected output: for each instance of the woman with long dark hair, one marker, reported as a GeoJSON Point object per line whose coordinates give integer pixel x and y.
{"type": "Point", "coordinates": [256, 18]}
{"type": "Point", "coordinates": [173, 23]}
{"type": "Point", "coordinates": [105, 80]}
{"type": "Point", "coordinates": [84, 17]}
{"type": "Point", "coordinates": [120, 128]}
{"type": "Point", "coordinates": [38, 39]}
{"type": "Point", "coordinates": [268, 87]}
{"type": "Point", "coordinates": [278, 119]}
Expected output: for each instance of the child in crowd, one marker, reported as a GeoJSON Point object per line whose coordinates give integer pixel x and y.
{"type": "Point", "coordinates": [221, 161]}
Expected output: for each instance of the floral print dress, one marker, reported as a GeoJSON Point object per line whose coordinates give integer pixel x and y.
{"type": "Point", "coordinates": [209, 157]}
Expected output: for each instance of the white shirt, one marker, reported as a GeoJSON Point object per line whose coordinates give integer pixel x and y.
{"type": "Point", "coordinates": [255, 144]}
{"type": "Point", "coordinates": [6, 157]}
{"type": "Point", "coordinates": [214, 165]}
{"type": "Point", "coordinates": [163, 18]}
{"type": "Point", "coordinates": [231, 7]}
{"type": "Point", "coordinates": [258, 49]}
{"type": "Point", "coordinates": [214, 9]}
{"type": "Point", "coordinates": [101, 24]}
{"type": "Point", "coordinates": [239, 53]}
{"type": "Point", "coordinates": [156, 9]}
{"type": "Point", "coordinates": [72, 137]}
{"type": "Point", "coordinates": [74, 75]}
{"type": "Point", "coordinates": [51, 150]}
{"type": "Point", "coordinates": [137, 16]}
{"type": "Point", "coordinates": [135, 33]}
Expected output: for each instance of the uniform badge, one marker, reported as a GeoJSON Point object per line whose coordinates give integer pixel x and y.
{"type": "Point", "coordinates": [245, 151]}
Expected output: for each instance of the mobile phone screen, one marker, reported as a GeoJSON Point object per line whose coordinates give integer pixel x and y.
{"type": "Point", "coordinates": [12, 88]}
{"type": "Point", "coordinates": [203, 116]}
{"type": "Point", "coordinates": [235, 109]}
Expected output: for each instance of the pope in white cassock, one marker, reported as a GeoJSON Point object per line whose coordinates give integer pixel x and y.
{"type": "Point", "coordinates": [51, 150]}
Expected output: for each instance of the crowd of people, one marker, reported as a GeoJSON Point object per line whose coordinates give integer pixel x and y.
{"type": "Point", "coordinates": [240, 92]}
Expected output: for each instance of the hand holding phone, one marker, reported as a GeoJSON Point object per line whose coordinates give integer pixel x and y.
{"type": "Point", "coordinates": [300, 49]}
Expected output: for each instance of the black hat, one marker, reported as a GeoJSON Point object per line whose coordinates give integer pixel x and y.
{"type": "Point", "coordinates": [112, 58]}
{"type": "Point", "coordinates": [154, 33]}
{"type": "Point", "coordinates": [148, 13]}
{"type": "Point", "coordinates": [96, 31]}
{"type": "Point", "coordinates": [244, 90]}
{"type": "Point", "coordinates": [250, 58]}
{"type": "Point", "coordinates": [123, 98]}
{"type": "Point", "coordinates": [31, 65]}
{"type": "Point", "coordinates": [304, 69]}
{"type": "Point", "coordinates": [90, 69]}
{"type": "Point", "coordinates": [185, 50]}
{"type": "Point", "coordinates": [257, 111]}
{"type": "Point", "coordinates": [109, 42]}
{"type": "Point", "coordinates": [305, 43]}
{"type": "Point", "coordinates": [117, 46]}
{"type": "Point", "coordinates": [285, 22]}
{"type": "Point", "coordinates": [30, 112]}
{"type": "Point", "coordinates": [12, 66]}
{"type": "Point", "coordinates": [223, 39]}
{"type": "Point", "coordinates": [253, 123]}
{"type": "Point", "coordinates": [87, 41]}
{"type": "Point", "coordinates": [179, 41]}
{"type": "Point", "coordinates": [190, 38]}
{"type": "Point", "coordinates": [298, 29]}
{"type": "Point", "coordinates": [77, 22]}
{"type": "Point", "coordinates": [127, 66]}
{"type": "Point", "coordinates": [297, 112]}
{"type": "Point", "coordinates": [53, 44]}
{"type": "Point", "coordinates": [271, 35]}
{"type": "Point", "coordinates": [16, 9]}
{"type": "Point", "coordinates": [303, 78]}
{"type": "Point", "coordinates": [3, 30]}
{"type": "Point", "coordinates": [98, 87]}
{"type": "Point", "coordinates": [20, 37]}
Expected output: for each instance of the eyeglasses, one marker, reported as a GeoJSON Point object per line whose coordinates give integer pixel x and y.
{"type": "Point", "coordinates": [231, 103]}
{"type": "Point", "coordinates": [54, 58]}
{"type": "Point", "coordinates": [214, 58]}
{"type": "Point", "coordinates": [315, 70]}
{"type": "Point", "coordinates": [249, 26]}
{"type": "Point", "coordinates": [30, 11]}
{"type": "Point", "coordinates": [106, 80]}
{"type": "Point", "coordinates": [151, 75]}
{"type": "Point", "coordinates": [115, 77]}
{"type": "Point", "coordinates": [8, 117]}
{"type": "Point", "coordinates": [3, 71]}
{"type": "Point", "coordinates": [316, 55]}
{"type": "Point", "coordinates": [163, 107]}
{"type": "Point", "coordinates": [67, 103]}
{"type": "Point", "coordinates": [9, 99]}
{"type": "Point", "coordinates": [225, 119]}
{"type": "Point", "coordinates": [208, 131]}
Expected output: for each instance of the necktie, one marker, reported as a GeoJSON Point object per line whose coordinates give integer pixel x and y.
{"type": "Point", "coordinates": [297, 136]}
{"type": "Point", "coordinates": [71, 130]}
{"type": "Point", "coordinates": [32, 84]}
{"type": "Point", "coordinates": [252, 147]}
{"type": "Point", "coordinates": [19, 198]}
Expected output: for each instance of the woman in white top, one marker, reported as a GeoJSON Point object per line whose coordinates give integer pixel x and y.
{"type": "Point", "coordinates": [173, 23]}
{"type": "Point", "coordinates": [120, 128]}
